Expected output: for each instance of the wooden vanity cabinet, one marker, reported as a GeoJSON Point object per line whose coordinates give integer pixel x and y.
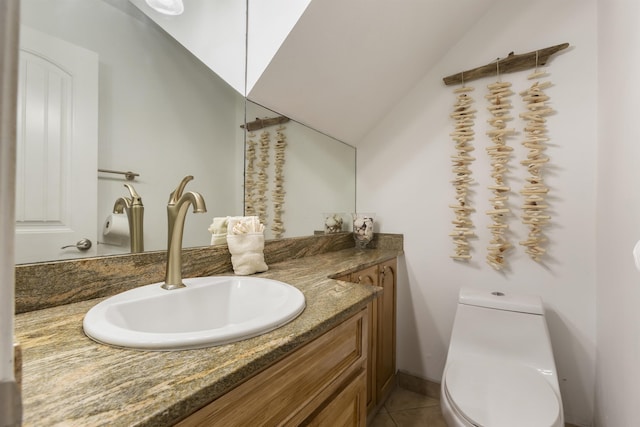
{"type": "Point", "coordinates": [321, 384]}
{"type": "Point", "coordinates": [381, 363]}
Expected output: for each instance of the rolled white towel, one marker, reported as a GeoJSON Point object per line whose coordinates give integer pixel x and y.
{"type": "Point", "coordinates": [247, 253]}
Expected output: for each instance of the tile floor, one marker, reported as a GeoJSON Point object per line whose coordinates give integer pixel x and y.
{"type": "Point", "coordinates": [405, 408]}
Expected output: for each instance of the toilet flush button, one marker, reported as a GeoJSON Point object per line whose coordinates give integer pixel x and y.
{"type": "Point", "coordinates": [636, 255]}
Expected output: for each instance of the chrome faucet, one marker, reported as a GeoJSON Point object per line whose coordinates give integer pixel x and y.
{"type": "Point", "coordinates": [176, 213]}
{"type": "Point", "coordinates": [135, 215]}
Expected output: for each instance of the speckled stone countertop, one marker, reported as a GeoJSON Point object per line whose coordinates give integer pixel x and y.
{"type": "Point", "coordinates": [70, 380]}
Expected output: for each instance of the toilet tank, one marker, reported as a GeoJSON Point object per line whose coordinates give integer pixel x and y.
{"type": "Point", "coordinates": [501, 301]}
{"type": "Point", "coordinates": [511, 328]}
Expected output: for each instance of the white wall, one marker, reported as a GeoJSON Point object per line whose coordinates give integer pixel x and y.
{"type": "Point", "coordinates": [618, 294]}
{"type": "Point", "coordinates": [404, 175]}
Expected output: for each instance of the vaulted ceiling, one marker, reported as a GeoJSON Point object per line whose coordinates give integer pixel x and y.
{"type": "Point", "coordinates": [346, 63]}
{"type": "Point", "coordinates": [336, 66]}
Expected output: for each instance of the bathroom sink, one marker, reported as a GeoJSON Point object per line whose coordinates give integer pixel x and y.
{"type": "Point", "coordinates": [209, 311]}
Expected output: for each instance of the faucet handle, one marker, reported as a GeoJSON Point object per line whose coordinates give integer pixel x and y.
{"type": "Point", "coordinates": [177, 193]}
{"type": "Point", "coordinates": [135, 197]}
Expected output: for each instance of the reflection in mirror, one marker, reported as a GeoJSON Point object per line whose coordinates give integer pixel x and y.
{"type": "Point", "coordinates": [318, 175]}
{"type": "Point", "coordinates": [153, 108]}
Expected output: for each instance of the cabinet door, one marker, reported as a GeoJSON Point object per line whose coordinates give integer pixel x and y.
{"type": "Point", "coordinates": [386, 330]}
{"type": "Point", "coordinates": [345, 409]}
{"type": "Point", "coordinates": [285, 393]}
{"type": "Point", "coordinates": [369, 276]}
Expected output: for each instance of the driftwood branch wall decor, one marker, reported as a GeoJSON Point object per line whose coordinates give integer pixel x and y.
{"type": "Point", "coordinates": [499, 153]}
{"type": "Point", "coordinates": [534, 208]}
{"type": "Point", "coordinates": [257, 171]}
{"type": "Point", "coordinates": [250, 176]}
{"type": "Point", "coordinates": [278, 180]}
{"type": "Point", "coordinates": [262, 183]}
{"type": "Point", "coordinates": [463, 115]}
{"type": "Point", "coordinates": [510, 64]}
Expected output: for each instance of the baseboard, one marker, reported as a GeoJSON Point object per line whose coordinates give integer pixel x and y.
{"type": "Point", "coordinates": [418, 385]}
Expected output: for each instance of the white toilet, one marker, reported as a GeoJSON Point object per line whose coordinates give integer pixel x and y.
{"type": "Point", "coordinates": [500, 370]}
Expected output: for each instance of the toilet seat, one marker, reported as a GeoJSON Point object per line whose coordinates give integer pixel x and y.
{"type": "Point", "coordinates": [501, 394]}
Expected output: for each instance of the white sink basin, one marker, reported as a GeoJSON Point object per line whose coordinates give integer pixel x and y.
{"type": "Point", "coordinates": [209, 311]}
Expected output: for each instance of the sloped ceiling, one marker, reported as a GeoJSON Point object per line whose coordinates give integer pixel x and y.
{"type": "Point", "coordinates": [346, 63]}
{"type": "Point", "coordinates": [213, 31]}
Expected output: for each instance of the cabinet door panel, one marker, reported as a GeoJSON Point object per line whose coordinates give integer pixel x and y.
{"type": "Point", "coordinates": [346, 409]}
{"type": "Point", "coordinates": [369, 276]}
{"type": "Point", "coordinates": [285, 390]}
{"type": "Point", "coordinates": [386, 329]}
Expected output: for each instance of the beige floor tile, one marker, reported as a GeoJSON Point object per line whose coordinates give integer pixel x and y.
{"type": "Point", "coordinates": [402, 399]}
{"type": "Point", "coordinates": [382, 419]}
{"type": "Point", "coordinates": [420, 417]}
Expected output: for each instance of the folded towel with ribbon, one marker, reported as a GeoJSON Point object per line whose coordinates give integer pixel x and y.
{"type": "Point", "coordinates": [218, 229]}
{"type": "Point", "coordinates": [245, 238]}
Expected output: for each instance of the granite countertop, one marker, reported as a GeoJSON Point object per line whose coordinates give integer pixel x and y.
{"type": "Point", "coordinates": [71, 380]}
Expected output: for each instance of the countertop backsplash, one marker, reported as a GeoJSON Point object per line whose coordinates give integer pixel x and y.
{"type": "Point", "coordinates": [51, 284]}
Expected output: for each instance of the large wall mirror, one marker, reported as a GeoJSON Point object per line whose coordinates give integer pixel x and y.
{"type": "Point", "coordinates": [151, 106]}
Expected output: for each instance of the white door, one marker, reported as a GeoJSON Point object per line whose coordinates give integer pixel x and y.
{"type": "Point", "coordinates": [57, 148]}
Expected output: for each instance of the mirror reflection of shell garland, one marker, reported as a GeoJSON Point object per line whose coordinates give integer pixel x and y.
{"type": "Point", "coordinates": [263, 177]}
{"type": "Point", "coordinates": [463, 134]}
{"type": "Point", "coordinates": [534, 207]}
{"type": "Point", "coordinates": [499, 154]}
{"type": "Point", "coordinates": [278, 192]}
{"type": "Point", "coordinates": [257, 171]}
{"type": "Point", "coordinates": [250, 177]}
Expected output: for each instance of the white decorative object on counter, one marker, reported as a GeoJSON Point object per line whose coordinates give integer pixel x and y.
{"type": "Point", "coordinates": [362, 229]}
{"type": "Point", "coordinates": [333, 223]}
{"type": "Point", "coordinates": [245, 239]}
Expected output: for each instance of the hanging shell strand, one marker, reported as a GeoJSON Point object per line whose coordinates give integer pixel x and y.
{"type": "Point", "coordinates": [499, 154]}
{"type": "Point", "coordinates": [534, 208]}
{"type": "Point", "coordinates": [278, 192]}
{"type": "Point", "coordinates": [463, 134]}
{"type": "Point", "coordinates": [250, 180]}
{"type": "Point", "coordinates": [263, 178]}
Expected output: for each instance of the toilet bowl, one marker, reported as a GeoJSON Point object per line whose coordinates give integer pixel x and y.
{"type": "Point", "coordinates": [500, 370]}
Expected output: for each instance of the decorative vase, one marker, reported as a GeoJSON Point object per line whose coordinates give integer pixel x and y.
{"type": "Point", "coordinates": [333, 222]}
{"type": "Point", "coordinates": [362, 229]}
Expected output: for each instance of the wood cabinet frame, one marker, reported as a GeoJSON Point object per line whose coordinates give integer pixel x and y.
{"type": "Point", "coordinates": [322, 383]}
{"type": "Point", "coordinates": [381, 363]}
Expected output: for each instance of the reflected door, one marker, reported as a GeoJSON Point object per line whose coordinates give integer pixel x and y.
{"type": "Point", "coordinates": [57, 139]}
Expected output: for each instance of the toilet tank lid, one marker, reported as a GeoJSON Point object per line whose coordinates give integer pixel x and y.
{"type": "Point", "coordinates": [501, 300]}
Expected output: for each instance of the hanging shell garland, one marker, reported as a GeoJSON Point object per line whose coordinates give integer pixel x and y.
{"type": "Point", "coordinates": [263, 178]}
{"type": "Point", "coordinates": [463, 134]}
{"type": "Point", "coordinates": [250, 180]}
{"type": "Point", "coordinates": [534, 208]}
{"type": "Point", "coordinates": [278, 191]}
{"type": "Point", "coordinates": [499, 154]}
